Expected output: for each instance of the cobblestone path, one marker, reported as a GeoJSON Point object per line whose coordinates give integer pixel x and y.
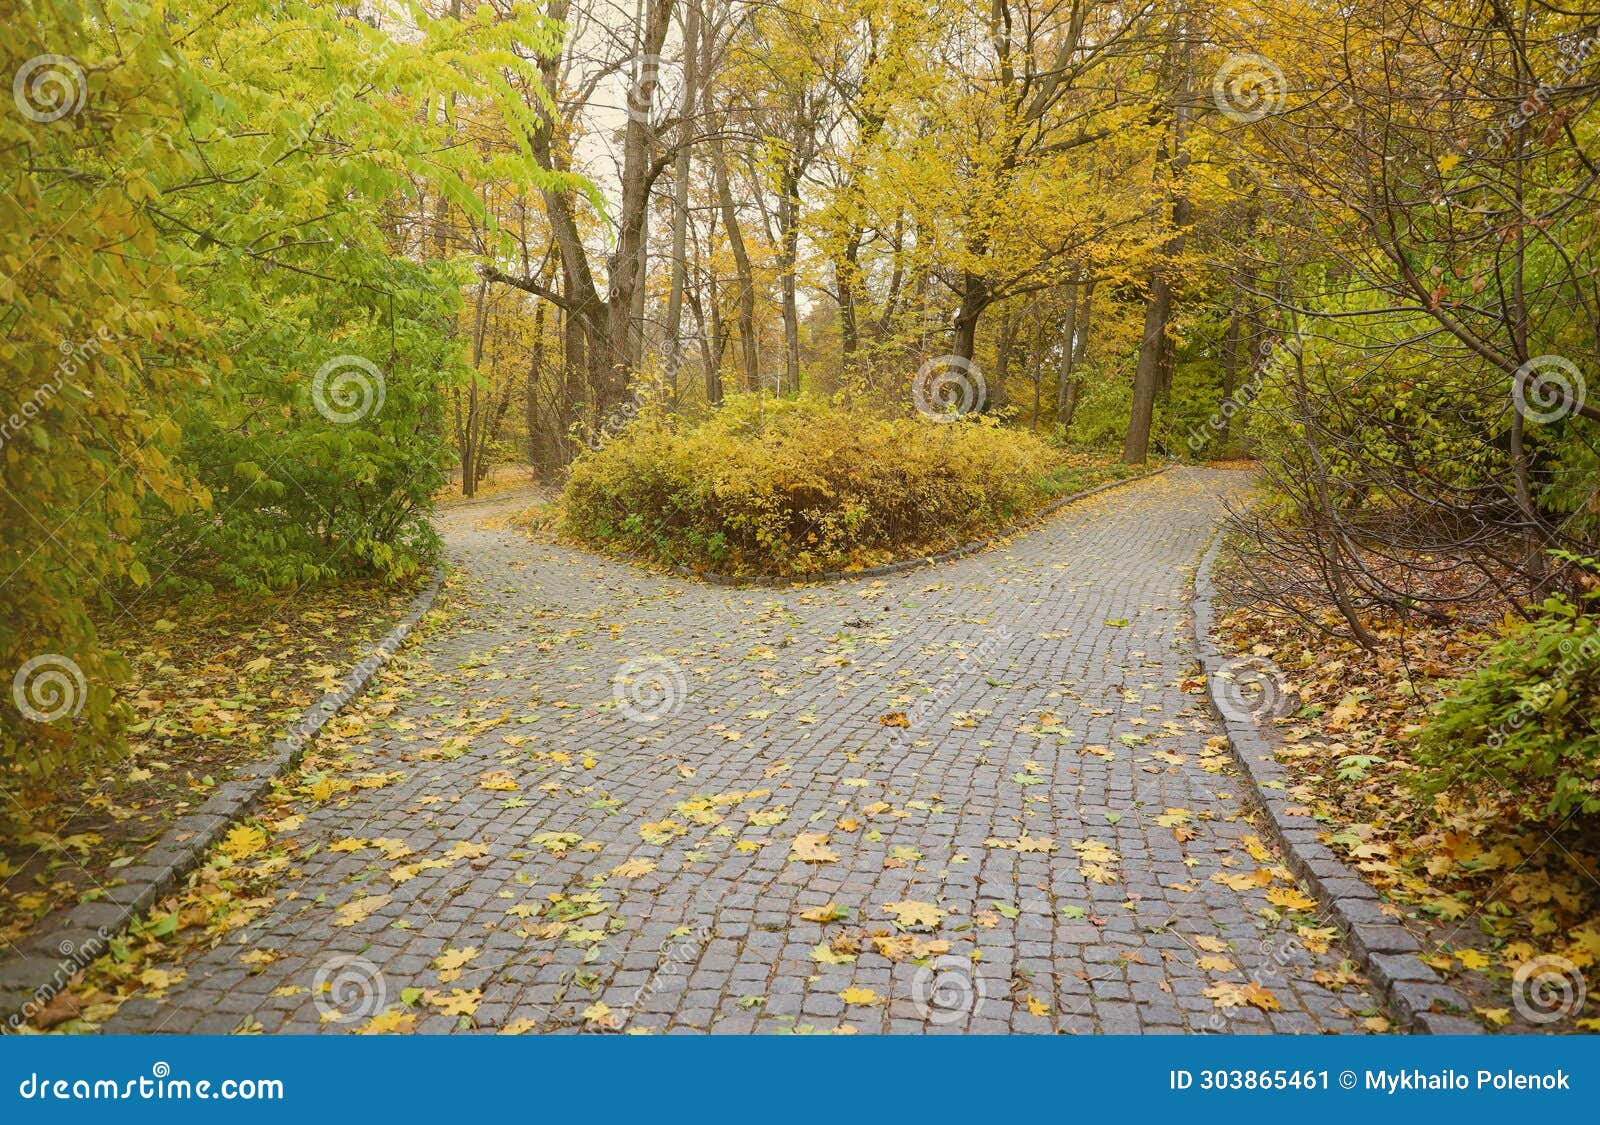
{"type": "Point", "coordinates": [669, 783]}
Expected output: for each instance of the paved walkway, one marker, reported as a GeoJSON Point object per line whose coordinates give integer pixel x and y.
{"type": "Point", "coordinates": [990, 777]}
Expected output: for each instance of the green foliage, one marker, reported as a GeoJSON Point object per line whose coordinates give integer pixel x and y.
{"type": "Point", "coordinates": [316, 478]}
{"type": "Point", "coordinates": [1521, 730]}
{"type": "Point", "coordinates": [203, 210]}
{"type": "Point", "coordinates": [798, 486]}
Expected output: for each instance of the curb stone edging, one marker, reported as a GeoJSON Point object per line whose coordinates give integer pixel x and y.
{"type": "Point", "coordinates": [48, 961]}
{"type": "Point", "coordinates": [1387, 951]}
{"type": "Point", "coordinates": [904, 565]}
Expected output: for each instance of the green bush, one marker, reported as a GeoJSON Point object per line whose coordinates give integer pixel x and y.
{"type": "Point", "coordinates": [1521, 730]}
{"type": "Point", "coordinates": [321, 445]}
{"type": "Point", "coordinates": [799, 486]}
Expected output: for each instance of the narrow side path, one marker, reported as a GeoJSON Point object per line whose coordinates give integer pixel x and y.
{"type": "Point", "coordinates": [983, 796]}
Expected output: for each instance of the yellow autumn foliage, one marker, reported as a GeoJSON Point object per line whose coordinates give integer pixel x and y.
{"type": "Point", "coordinates": [799, 486]}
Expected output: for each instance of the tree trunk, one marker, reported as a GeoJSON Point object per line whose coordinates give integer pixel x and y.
{"type": "Point", "coordinates": [974, 299]}
{"type": "Point", "coordinates": [680, 195]}
{"type": "Point", "coordinates": [1147, 376]}
{"type": "Point", "coordinates": [748, 347]}
{"type": "Point", "coordinates": [626, 267]}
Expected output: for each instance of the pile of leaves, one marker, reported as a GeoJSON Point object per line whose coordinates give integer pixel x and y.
{"type": "Point", "coordinates": [799, 486]}
{"type": "Point", "coordinates": [1489, 885]}
{"type": "Point", "coordinates": [213, 682]}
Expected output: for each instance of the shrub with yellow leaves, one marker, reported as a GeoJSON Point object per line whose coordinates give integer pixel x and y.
{"type": "Point", "coordinates": [799, 486]}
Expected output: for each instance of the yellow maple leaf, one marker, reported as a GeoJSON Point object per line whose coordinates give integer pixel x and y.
{"type": "Point", "coordinates": [633, 868]}
{"type": "Point", "coordinates": [1215, 964]}
{"type": "Point", "coordinates": [460, 1002]}
{"type": "Point", "coordinates": [557, 843]}
{"type": "Point", "coordinates": [392, 846]}
{"type": "Point", "coordinates": [243, 841]}
{"type": "Point", "coordinates": [1261, 877]}
{"type": "Point", "coordinates": [824, 954]}
{"type": "Point", "coordinates": [359, 910]}
{"type": "Point", "coordinates": [862, 997]}
{"type": "Point", "coordinates": [912, 915]}
{"type": "Point", "coordinates": [661, 831]}
{"type": "Point", "coordinates": [1290, 899]}
{"type": "Point", "coordinates": [829, 912]}
{"type": "Point", "coordinates": [1211, 944]}
{"type": "Point", "coordinates": [391, 1022]}
{"type": "Point", "coordinates": [811, 847]}
{"type": "Point", "coordinates": [455, 958]}
{"type": "Point", "coordinates": [498, 781]}
{"type": "Point", "coordinates": [599, 1015]}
